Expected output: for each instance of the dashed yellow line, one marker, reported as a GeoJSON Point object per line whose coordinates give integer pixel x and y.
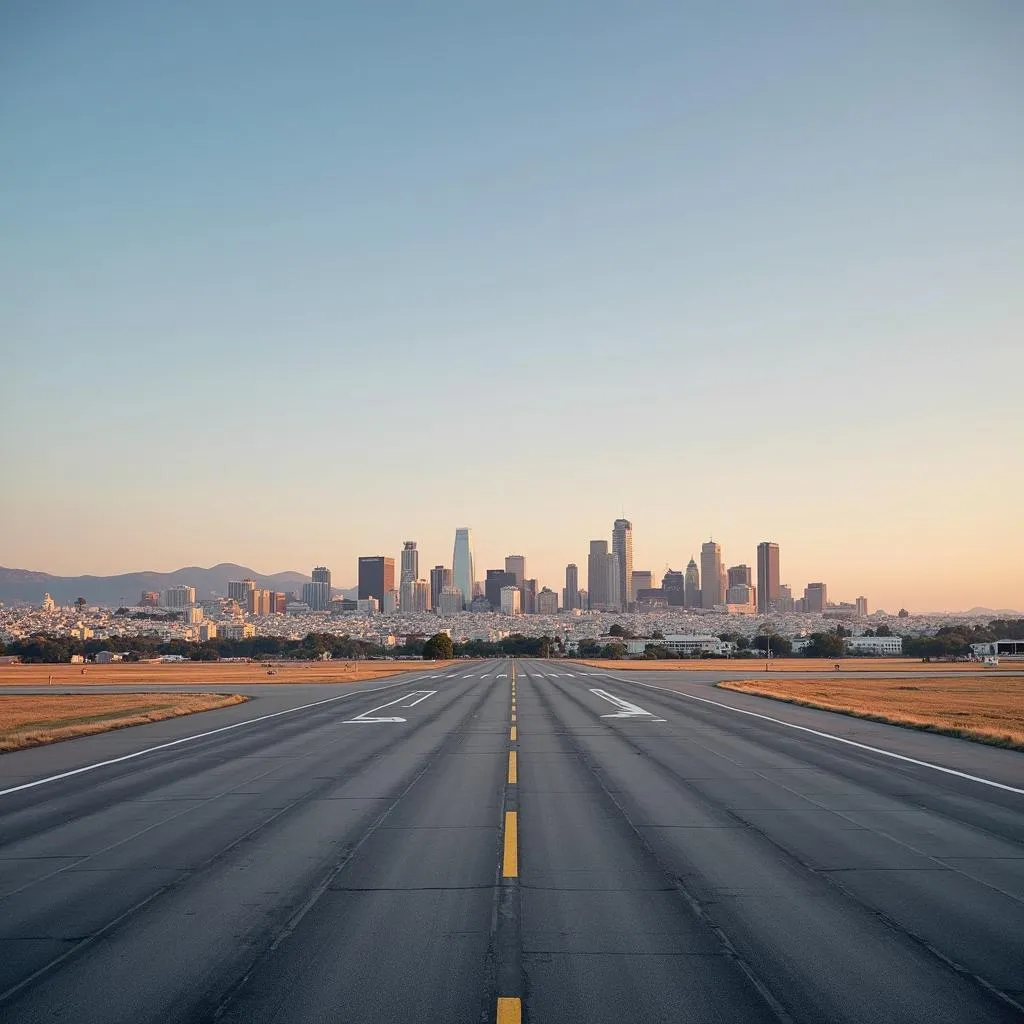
{"type": "Point", "coordinates": [512, 734]}
{"type": "Point", "coordinates": [510, 1010]}
{"type": "Point", "coordinates": [513, 768]}
{"type": "Point", "coordinates": [510, 862]}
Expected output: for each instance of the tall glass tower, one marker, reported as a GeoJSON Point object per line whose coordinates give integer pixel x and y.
{"type": "Point", "coordinates": [462, 564]}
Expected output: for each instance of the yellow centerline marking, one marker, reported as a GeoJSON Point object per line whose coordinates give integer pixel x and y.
{"type": "Point", "coordinates": [513, 716]}
{"type": "Point", "coordinates": [513, 768]}
{"type": "Point", "coordinates": [510, 862]}
{"type": "Point", "coordinates": [512, 734]}
{"type": "Point", "coordinates": [510, 1010]}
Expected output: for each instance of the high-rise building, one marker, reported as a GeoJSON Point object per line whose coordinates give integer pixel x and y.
{"type": "Point", "coordinates": [739, 575]}
{"type": "Point", "coordinates": [278, 603]}
{"type": "Point", "coordinates": [238, 590]}
{"type": "Point", "coordinates": [462, 563]}
{"type": "Point", "coordinates": [376, 577]}
{"type": "Point", "coordinates": [391, 601]}
{"type": "Point", "coordinates": [516, 564]}
{"type": "Point", "coordinates": [571, 593]}
{"type": "Point", "coordinates": [321, 574]}
{"type": "Point", "coordinates": [496, 580]}
{"type": "Point", "coordinates": [673, 588]}
{"type": "Point", "coordinates": [711, 592]}
{"type": "Point", "coordinates": [862, 607]}
{"type": "Point", "coordinates": [597, 575]}
{"type": "Point", "coordinates": [641, 580]}
{"type": "Point", "coordinates": [547, 602]}
{"type": "Point", "coordinates": [622, 548]}
{"type": "Point", "coordinates": [149, 599]}
{"type": "Point", "coordinates": [179, 597]}
{"type": "Point", "coordinates": [450, 600]}
{"type": "Point", "coordinates": [440, 577]}
{"type": "Point", "coordinates": [414, 596]}
{"type": "Point", "coordinates": [768, 576]}
{"type": "Point", "coordinates": [316, 593]}
{"type": "Point", "coordinates": [740, 594]}
{"type": "Point", "coordinates": [815, 597]}
{"type": "Point", "coordinates": [528, 597]}
{"type": "Point", "coordinates": [510, 600]}
{"type": "Point", "coordinates": [259, 602]}
{"type": "Point", "coordinates": [784, 602]}
{"type": "Point", "coordinates": [692, 597]}
{"type": "Point", "coordinates": [410, 571]}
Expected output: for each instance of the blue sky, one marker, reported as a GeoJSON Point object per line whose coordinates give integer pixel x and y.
{"type": "Point", "coordinates": [289, 283]}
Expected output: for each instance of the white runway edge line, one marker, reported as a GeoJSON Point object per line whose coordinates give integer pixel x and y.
{"type": "Point", "coordinates": [195, 736]}
{"type": "Point", "coordinates": [825, 735]}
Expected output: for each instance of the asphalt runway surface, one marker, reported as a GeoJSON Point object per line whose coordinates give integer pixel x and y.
{"type": "Point", "coordinates": [533, 841]}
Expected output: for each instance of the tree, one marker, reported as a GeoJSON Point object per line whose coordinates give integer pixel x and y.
{"type": "Point", "coordinates": [613, 651]}
{"type": "Point", "coordinates": [903, 613]}
{"type": "Point", "coordinates": [774, 643]}
{"type": "Point", "coordinates": [80, 603]}
{"type": "Point", "coordinates": [883, 630]}
{"type": "Point", "coordinates": [439, 648]}
{"type": "Point", "coordinates": [825, 645]}
{"type": "Point", "coordinates": [657, 635]}
{"type": "Point", "coordinates": [843, 631]}
{"type": "Point", "coordinates": [617, 630]}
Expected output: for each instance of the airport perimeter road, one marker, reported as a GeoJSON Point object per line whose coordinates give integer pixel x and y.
{"type": "Point", "coordinates": [534, 841]}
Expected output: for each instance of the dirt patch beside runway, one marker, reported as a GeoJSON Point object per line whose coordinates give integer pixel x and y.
{"type": "Point", "coordinates": [983, 708]}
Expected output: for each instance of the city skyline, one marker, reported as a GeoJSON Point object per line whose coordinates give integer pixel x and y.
{"type": "Point", "coordinates": [730, 562]}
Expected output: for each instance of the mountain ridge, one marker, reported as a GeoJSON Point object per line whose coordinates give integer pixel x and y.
{"type": "Point", "coordinates": [28, 585]}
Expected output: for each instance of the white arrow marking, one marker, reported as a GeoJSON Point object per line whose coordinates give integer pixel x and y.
{"type": "Point", "coordinates": [369, 716]}
{"type": "Point", "coordinates": [626, 710]}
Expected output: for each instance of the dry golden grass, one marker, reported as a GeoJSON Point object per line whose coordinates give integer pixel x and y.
{"type": "Point", "coordinates": [816, 665]}
{"type": "Point", "coordinates": [30, 721]}
{"type": "Point", "coordinates": [191, 673]}
{"type": "Point", "coordinates": [986, 709]}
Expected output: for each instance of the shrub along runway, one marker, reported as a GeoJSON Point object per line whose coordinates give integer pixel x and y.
{"type": "Point", "coordinates": [540, 841]}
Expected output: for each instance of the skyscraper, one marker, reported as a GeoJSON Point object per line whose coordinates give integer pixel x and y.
{"type": "Point", "coordinates": [711, 592]}
{"type": "Point", "coordinates": [597, 574]}
{"type": "Point", "coordinates": [516, 564]}
{"type": "Point", "coordinates": [547, 602]}
{"type": "Point", "coordinates": [768, 575]}
{"type": "Point", "coordinates": [321, 574]}
{"type": "Point", "coordinates": [510, 601]}
{"type": "Point", "coordinates": [528, 597]}
{"type": "Point", "coordinates": [462, 563]}
{"type": "Point", "coordinates": [410, 563]}
{"type": "Point", "coordinates": [571, 593]}
{"type": "Point", "coordinates": [440, 577]}
{"type": "Point", "coordinates": [739, 575]}
{"type": "Point", "coordinates": [816, 597]}
{"type": "Point", "coordinates": [642, 580]}
{"type": "Point", "coordinates": [673, 588]}
{"type": "Point", "coordinates": [376, 577]}
{"type": "Point", "coordinates": [622, 548]}
{"type": "Point", "coordinates": [495, 581]}
{"type": "Point", "coordinates": [691, 598]}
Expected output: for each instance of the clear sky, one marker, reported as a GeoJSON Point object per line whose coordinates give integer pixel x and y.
{"type": "Point", "coordinates": [286, 283]}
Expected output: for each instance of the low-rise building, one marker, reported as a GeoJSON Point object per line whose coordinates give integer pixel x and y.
{"type": "Point", "coordinates": [685, 644]}
{"type": "Point", "coordinates": [891, 645]}
{"type": "Point", "coordinates": [236, 630]}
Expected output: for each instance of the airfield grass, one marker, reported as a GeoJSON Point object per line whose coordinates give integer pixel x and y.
{"type": "Point", "coordinates": [804, 665]}
{"type": "Point", "coordinates": [193, 673]}
{"type": "Point", "coordinates": [987, 709]}
{"type": "Point", "coordinates": [31, 720]}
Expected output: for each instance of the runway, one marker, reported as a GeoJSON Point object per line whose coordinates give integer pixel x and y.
{"type": "Point", "coordinates": [512, 840]}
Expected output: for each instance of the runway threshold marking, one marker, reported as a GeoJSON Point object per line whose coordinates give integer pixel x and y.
{"type": "Point", "coordinates": [510, 858]}
{"type": "Point", "coordinates": [510, 1010]}
{"type": "Point", "coordinates": [626, 709]}
{"type": "Point", "coordinates": [405, 701]}
{"type": "Point", "coordinates": [513, 768]}
{"type": "Point", "coordinates": [195, 736]}
{"type": "Point", "coordinates": [829, 736]}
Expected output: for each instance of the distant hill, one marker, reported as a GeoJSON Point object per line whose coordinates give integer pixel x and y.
{"type": "Point", "coordinates": [995, 613]}
{"type": "Point", "coordinates": [26, 586]}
